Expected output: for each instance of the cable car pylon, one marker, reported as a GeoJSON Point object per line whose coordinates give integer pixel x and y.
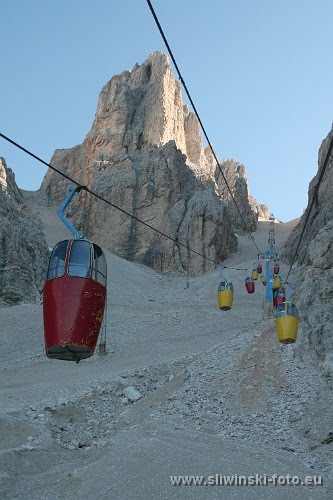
{"type": "Point", "coordinates": [268, 255]}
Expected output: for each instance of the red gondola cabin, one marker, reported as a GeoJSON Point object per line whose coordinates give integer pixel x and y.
{"type": "Point", "coordinates": [74, 299]}
{"type": "Point", "coordinates": [249, 284]}
{"type": "Point", "coordinates": [279, 297]}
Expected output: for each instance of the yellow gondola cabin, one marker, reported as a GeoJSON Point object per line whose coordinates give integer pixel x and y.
{"type": "Point", "coordinates": [287, 322]}
{"type": "Point", "coordinates": [277, 282]}
{"type": "Point", "coordinates": [254, 274]}
{"type": "Point", "coordinates": [225, 295]}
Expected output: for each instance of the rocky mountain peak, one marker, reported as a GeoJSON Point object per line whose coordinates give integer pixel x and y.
{"type": "Point", "coordinates": [145, 106]}
{"type": "Point", "coordinates": [145, 153]}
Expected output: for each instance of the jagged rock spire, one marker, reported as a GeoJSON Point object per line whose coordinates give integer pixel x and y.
{"type": "Point", "coordinates": [144, 152]}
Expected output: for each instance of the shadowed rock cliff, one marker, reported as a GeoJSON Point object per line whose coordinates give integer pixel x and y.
{"type": "Point", "coordinates": [235, 176]}
{"type": "Point", "coordinates": [23, 250]}
{"type": "Point", "coordinates": [314, 276]}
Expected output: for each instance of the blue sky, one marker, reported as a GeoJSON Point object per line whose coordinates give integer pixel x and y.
{"type": "Point", "coordinates": [259, 72]}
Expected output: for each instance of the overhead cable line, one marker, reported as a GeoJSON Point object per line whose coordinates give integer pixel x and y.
{"type": "Point", "coordinates": [198, 117]}
{"type": "Point", "coordinates": [314, 200]}
{"type": "Point", "coordinates": [88, 190]}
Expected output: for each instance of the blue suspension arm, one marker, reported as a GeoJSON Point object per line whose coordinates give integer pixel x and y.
{"type": "Point", "coordinates": [222, 275]}
{"type": "Point", "coordinates": [68, 224]}
{"type": "Point", "coordinates": [269, 279]}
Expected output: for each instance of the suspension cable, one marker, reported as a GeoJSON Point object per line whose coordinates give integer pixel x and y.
{"type": "Point", "coordinates": [199, 119]}
{"type": "Point", "coordinates": [215, 157]}
{"type": "Point", "coordinates": [88, 190]}
{"type": "Point", "coordinates": [314, 199]}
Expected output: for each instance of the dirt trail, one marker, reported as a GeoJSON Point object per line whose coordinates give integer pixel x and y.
{"type": "Point", "coordinates": [70, 431]}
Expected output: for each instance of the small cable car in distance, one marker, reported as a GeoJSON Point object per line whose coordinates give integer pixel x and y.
{"type": "Point", "coordinates": [287, 322]}
{"type": "Point", "coordinates": [276, 268]}
{"type": "Point", "coordinates": [225, 295]}
{"type": "Point", "coordinates": [286, 319]}
{"type": "Point", "coordinates": [259, 268]}
{"type": "Point", "coordinates": [74, 295]}
{"type": "Point", "coordinates": [277, 282]}
{"type": "Point", "coordinates": [254, 274]}
{"type": "Point", "coordinates": [249, 284]}
{"type": "Point", "coordinates": [263, 280]}
{"type": "Point", "coordinates": [279, 296]}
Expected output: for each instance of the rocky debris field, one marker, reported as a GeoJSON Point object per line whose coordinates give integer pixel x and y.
{"type": "Point", "coordinates": [256, 390]}
{"type": "Point", "coordinates": [94, 417]}
{"type": "Point", "coordinates": [247, 390]}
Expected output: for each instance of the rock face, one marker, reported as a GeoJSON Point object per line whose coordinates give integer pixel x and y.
{"type": "Point", "coordinates": [23, 250]}
{"type": "Point", "coordinates": [315, 274]}
{"type": "Point", "coordinates": [235, 175]}
{"type": "Point", "coordinates": [260, 209]}
{"type": "Point", "coordinates": [144, 153]}
{"type": "Point", "coordinates": [321, 213]}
